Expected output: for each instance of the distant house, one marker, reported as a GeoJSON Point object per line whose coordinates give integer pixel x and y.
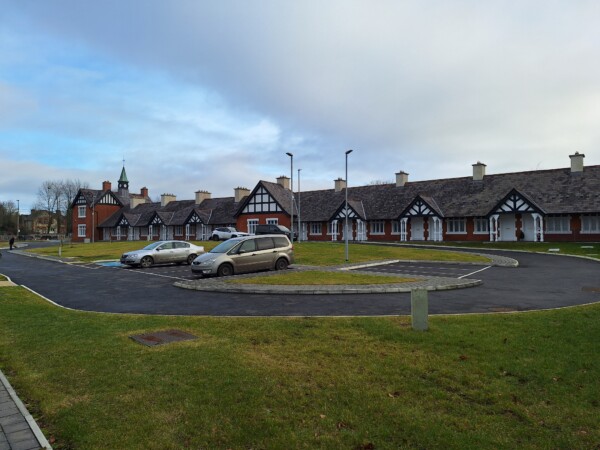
{"type": "Point", "coordinates": [540, 205]}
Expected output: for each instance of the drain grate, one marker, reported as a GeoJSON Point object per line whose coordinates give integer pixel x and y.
{"type": "Point", "coordinates": [162, 337]}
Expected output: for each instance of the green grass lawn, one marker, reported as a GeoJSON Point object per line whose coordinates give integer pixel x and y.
{"type": "Point", "coordinates": [316, 278]}
{"type": "Point", "coordinates": [309, 253]}
{"type": "Point", "coordinates": [483, 381]}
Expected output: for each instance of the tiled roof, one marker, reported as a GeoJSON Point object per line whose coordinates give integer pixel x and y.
{"type": "Point", "coordinates": [555, 191]}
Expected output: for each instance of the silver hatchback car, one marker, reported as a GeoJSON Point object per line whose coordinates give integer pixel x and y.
{"type": "Point", "coordinates": [162, 252]}
{"type": "Point", "coordinates": [246, 254]}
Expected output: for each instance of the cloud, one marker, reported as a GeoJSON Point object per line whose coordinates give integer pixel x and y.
{"type": "Point", "coordinates": [429, 88]}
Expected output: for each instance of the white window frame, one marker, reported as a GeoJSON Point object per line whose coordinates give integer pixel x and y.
{"type": "Point", "coordinates": [81, 212]}
{"type": "Point", "coordinates": [273, 221]}
{"type": "Point", "coordinates": [456, 225]}
{"type": "Point", "coordinates": [481, 225]}
{"type": "Point", "coordinates": [558, 224]}
{"type": "Point", "coordinates": [81, 230]}
{"type": "Point", "coordinates": [590, 223]}
{"type": "Point", "coordinates": [252, 224]}
{"type": "Point", "coordinates": [316, 228]}
{"type": "Point", "coordinates": [330, 227]}
{"type": "Point", "coordinates": [377, 227]}
{"type": "Point", "coordinates": [395, 227]}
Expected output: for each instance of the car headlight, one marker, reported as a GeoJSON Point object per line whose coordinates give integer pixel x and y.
{"type": "Point", "coordinates": [132, 255]}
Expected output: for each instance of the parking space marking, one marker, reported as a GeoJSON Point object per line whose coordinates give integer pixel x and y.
{"type": "Point", "coordinates": [473, 273]}
{"type": "Point", "coordinates": [423, 269]}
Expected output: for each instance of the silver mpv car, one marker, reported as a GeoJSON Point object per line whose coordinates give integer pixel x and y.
{"type": "Point", "coordinates": [246, 254]}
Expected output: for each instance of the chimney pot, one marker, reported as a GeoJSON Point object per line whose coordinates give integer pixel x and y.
{"type": "Point", "coordinates": [165, 199]}
{"type": "Point", "coordinates": [401, 178]}
{"type": "Point", "coordinates": [106, 186]}
{"type": "Point", "coordinates": [478, 171]}
{"type": "Point", "coordinates": [577, 162]}
{"type": "Point", "coordinates": [283, 181]}
{"type": "Point", "coordinates": [339, 184]}
{"type": "Point", "coordinates": [240, 193]}
{"type": "Point", "coordinates": [201, 196]}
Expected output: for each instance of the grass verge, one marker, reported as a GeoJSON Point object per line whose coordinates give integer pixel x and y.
{"type": "Point", "coordinates": [314, 277]}
{"type": "Point", "coordinates": [484, 381]}
{"type": "Point", "coordinates": [309, 253]}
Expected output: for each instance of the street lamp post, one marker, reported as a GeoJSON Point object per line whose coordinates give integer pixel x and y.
{"type": "Point", "coordinates": [18, 218]}
{"type": "Point", "coordinates": [299, 225]}
{"type": "Point", "coordinates": [346, 208]}
{"type": "Point", "coordinates": [291, 155]}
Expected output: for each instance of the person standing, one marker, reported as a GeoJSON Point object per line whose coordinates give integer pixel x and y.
{"type": "Point", "coordinates": [11, 242]}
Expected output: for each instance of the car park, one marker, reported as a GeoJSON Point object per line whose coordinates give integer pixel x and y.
{"type": "Point", "coordinates": [275, 229]}
{"type": "Point", "coordinates": [162, 252]}
{"type": "Point", "coordinates": [224, 233]}
{"type": "Point", "coordinates": [246, 254]}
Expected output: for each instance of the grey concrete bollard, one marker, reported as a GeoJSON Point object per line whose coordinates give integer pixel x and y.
{"type": "Point", "coordinates": [419, 309]}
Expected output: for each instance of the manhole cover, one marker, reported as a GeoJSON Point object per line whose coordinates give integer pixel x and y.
{"type": "Point", "coordinates": [590, 289]}
{"type": "Point", "coordinates": [163, 337]}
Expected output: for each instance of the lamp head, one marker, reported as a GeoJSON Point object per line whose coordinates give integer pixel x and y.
{"type": "Point", "coordinates": [289, 154]}
{"type": "Point", "coordinates": [348, 152]}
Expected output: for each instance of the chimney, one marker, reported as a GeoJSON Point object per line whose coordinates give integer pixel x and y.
{"type": "Point", "coordinates": [165, 199]}
{"type": "Point", "coordinates": [240, 193]}
{"type": "Point", "coordinates": [106, 185]}
{"type": "Point", "coordinates": [283, 181]}
{"type": "Point", "coordinates": [478, 171]}
{"type": "Point", "coordinates": [577, 162]}
{"type": "Point", "coordinates": [136, 200]}
{"type": "Point", "coordinates": [401, 178]}
{"type": "Point", "coordinates": [144, 192]}
{"type": "Point", "coordinates": [339, 184]}
{"type": "Point", "coordinates": [201, 196]}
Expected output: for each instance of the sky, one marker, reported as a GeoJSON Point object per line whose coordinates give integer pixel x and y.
{"type": "Point", "coordinates": [197, 95]}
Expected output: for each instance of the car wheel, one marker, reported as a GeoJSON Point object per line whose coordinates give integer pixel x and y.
{"type": "Point", "coordinates": [281, 264]}
{"type": "Point", "coordinates": [190, 259]}
{"type": "Point", "coordinates": [215, 237]}
{"type": "Point", "coordinates": [146, 262]}
{"type": "Point", "coordinates": [225, 270]}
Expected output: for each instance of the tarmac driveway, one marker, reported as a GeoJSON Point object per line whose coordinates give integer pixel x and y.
{"type": "Point", "coordinates": [540, 282]}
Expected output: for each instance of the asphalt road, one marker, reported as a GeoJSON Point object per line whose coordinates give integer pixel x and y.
{"type": "Point", "coordinates": [540, 282]}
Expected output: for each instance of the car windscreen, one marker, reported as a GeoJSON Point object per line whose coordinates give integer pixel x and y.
{"type": "Point", "coordinates": [152, 246]}
{"type": "Point", "coordinates": [225, 246]}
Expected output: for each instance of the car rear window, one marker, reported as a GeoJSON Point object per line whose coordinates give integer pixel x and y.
{"type": "Point", "coordinates": [280, 241]}
{"type": "Point", "coordinates": [264, 243]}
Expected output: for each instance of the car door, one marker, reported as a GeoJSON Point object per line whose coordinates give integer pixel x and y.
{"type": "Point", "coordinates": [164, 253]}
{"type": "Point", "coordinates": [265, 253]}
{"type": "Point", "coordinates": [180, 251]}
{"type": "Point", "coordinates": [244, 260]}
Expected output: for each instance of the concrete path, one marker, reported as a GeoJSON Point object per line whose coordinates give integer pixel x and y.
{"type": "Point", "coordinates": [18, 430]}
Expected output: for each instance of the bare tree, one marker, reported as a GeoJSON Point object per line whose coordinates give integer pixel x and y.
{"type": "Point", "coordinates": [49, 198]}
{"type": "Point", "coordinates": [70, 188]}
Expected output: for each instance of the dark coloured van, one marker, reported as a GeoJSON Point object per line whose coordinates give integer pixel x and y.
{"type": "Point", "coordinates": [275, 229]}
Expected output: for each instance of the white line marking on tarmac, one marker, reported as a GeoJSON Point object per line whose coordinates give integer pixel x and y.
{"type": "Point", "coordinates": [473, 273]}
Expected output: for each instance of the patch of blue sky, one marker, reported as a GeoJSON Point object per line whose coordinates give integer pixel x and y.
{"type": "Point", "coordinates": [52, 150]}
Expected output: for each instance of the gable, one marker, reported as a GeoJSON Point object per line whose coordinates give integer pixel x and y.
{"type": "Point", "coordinates": [261, 202]}
{"type": "Point", "coordinates": [419, 208]}
{"type": "Point", "coordinates": [515, 202]}
{"type": "Point", "coordinates": [194, 218]}
{"type": "Point", "coordinates": [344, 212]}
{"type": "Point", "coordinates": [108, 199]}
{"type": "Point", "coordinates": [80, 200]}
